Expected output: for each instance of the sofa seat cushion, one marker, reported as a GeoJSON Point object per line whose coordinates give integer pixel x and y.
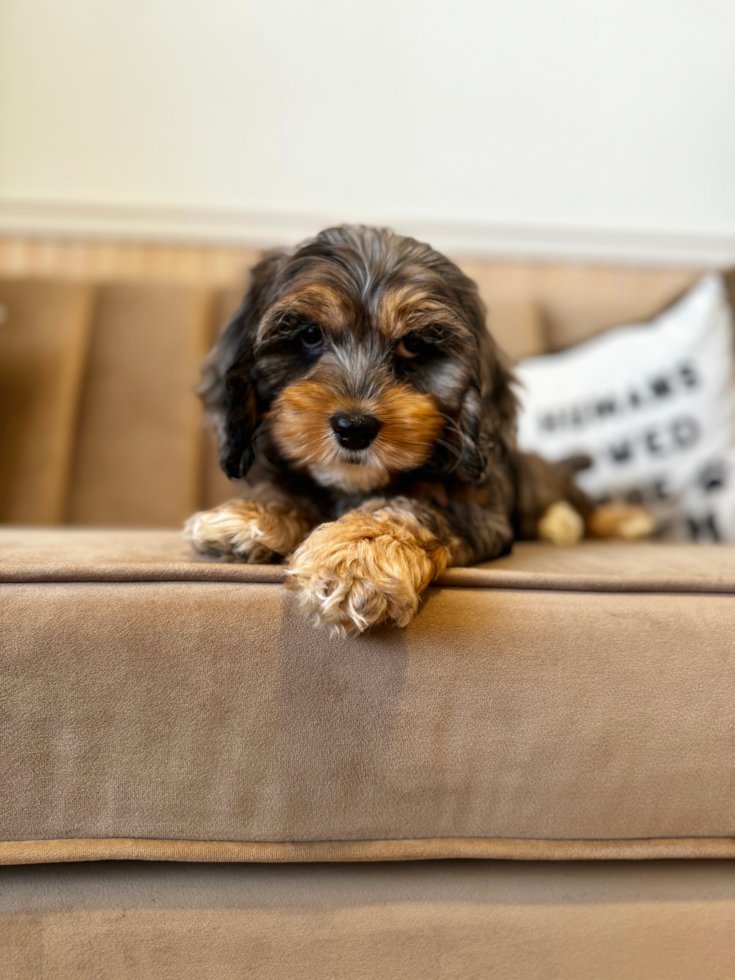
{"type": "Point", "coordinates": [442, 920]}
{"type": "Point", "coordinates": [554, 704]}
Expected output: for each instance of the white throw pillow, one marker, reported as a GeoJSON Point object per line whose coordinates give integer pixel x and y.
{"type": "Point", "coordinates": [653, 405]}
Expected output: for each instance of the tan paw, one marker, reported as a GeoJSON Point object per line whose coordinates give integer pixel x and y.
{"type": "Point", "coordinates": [620, 521]}
{"type": "Point", "coordinates": [365, 570]}
{"type": "Point", "coordinates": [254, 532]}
{"type": "Point", "coordinates": [561, 524]}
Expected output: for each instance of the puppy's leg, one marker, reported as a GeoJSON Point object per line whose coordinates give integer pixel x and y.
{"type": "Point", "coordinates": [256, 530]}
{"type": "Point", "coordinates": [620, 521]}
{"type": "Point", "coordinates": [367, 568]}
{"type": "Point", "coordinates": [561, 524]}
{"type": "Point", "coordinates": [371, 566]}
{"type": "Point", "coordinates": [550, 506]}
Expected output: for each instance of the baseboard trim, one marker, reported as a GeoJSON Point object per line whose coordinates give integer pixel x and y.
{"type": "Point", "coordinates": [264, 229]}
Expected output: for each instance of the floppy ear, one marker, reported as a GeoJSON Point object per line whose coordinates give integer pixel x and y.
{"type": "Point", "coordinates": [473, 460]}
{"type": "Point", "coordinates": [487, 419]}
{"type": "Point", "coordinates": [227, 388]}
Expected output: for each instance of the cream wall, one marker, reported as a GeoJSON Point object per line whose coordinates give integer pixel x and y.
{"type": "Point", "coordinates": [545, 127]}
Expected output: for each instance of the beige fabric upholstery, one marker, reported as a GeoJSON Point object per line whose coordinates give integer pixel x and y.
{"type": "Point", "coordinates": [170, 699]}
{"type": "Point", "coordinates": [44, 335]}
{"type": "Point", "coordinates": [139, 441]}
{"type": "Point", "coordinates": [86, 555]}
{"type": "Point", "coordinates": [68, 850]}
{"type": "Point", "coordinates": [437, 921]}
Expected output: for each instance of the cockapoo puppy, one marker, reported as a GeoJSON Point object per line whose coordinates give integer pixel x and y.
{"type": "Point", "coordinates": [360, 391]}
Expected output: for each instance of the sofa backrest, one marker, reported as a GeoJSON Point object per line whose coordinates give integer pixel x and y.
{"type": "Point", "coordinates": [100, 348]}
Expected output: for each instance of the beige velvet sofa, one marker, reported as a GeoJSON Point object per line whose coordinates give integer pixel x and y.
{"type": "Point", "coordinates": [535, 779]}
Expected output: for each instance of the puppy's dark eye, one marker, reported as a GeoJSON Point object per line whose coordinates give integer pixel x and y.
{"type": "Point", "coordinates": [411, 346]}
{"type": "Point", "coordinates": [312, 339]}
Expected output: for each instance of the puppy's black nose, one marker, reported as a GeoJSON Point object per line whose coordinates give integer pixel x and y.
{"type": "Point", "coordinates": [354, 431]}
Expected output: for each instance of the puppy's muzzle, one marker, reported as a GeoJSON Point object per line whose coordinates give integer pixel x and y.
{"type": "Point", "coordinates": [354, 431]}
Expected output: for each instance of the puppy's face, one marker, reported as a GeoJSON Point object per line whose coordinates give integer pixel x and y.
{"type": "Point", "coordinates": [359, 357]}
{"type": "Point", "coordinates": [364, 388]}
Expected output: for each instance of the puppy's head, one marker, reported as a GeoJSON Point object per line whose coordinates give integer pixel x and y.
{"type": "Point", "coordinates": [360, 356]}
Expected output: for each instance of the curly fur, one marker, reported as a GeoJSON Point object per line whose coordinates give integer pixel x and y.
{"type": "Point", "coordinates": [251, 531]}
{"type": "Point", "coordinates": [369, 566]}
{"type": "Point", "coordinates": [362, 321]}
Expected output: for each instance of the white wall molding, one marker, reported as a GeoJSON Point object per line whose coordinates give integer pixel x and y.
{"type": "Point", "coordinates": [265, 229]}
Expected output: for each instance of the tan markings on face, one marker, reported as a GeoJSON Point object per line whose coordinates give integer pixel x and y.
{"type": "Point", "coordinates": [316, 301]}
{"type": "Point", "coordinates": [300, 426]}
{"type": "Point", "coordinates": [410, 307]}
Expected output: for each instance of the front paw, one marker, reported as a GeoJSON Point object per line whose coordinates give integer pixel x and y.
{"type": "Point", "coordinates": [254, 532]}
{"type": "Point", "coordinates": [365, 570]}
